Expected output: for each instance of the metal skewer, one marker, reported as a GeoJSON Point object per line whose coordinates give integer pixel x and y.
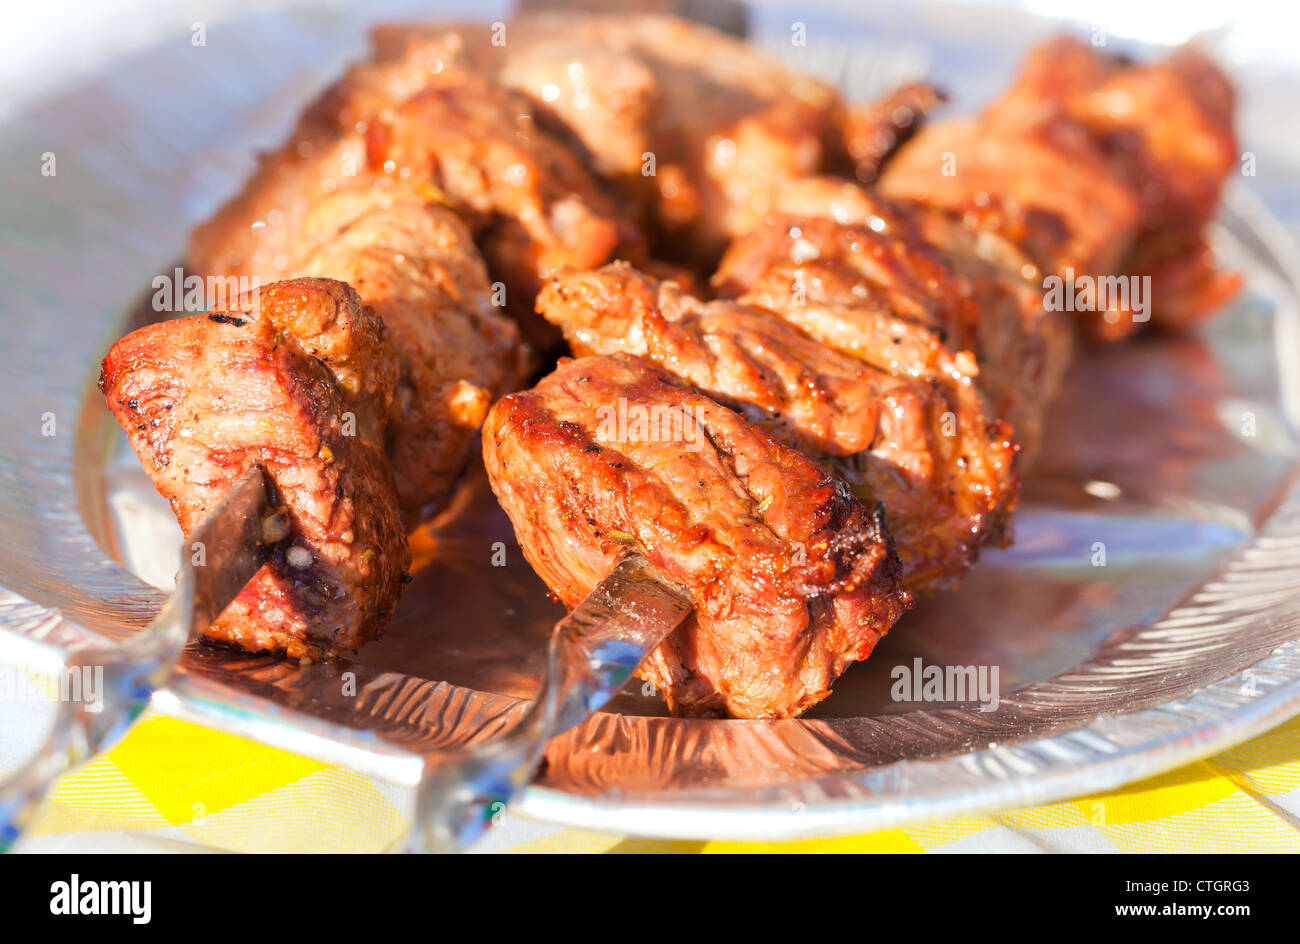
{"type": "Point", "coordinates": [593, 651]}
{"type": "Point", "coordinates": [233, 551]}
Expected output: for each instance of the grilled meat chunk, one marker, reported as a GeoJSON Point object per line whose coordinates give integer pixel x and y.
{"type": "Point", "coordinates": [315, 209]}
{"type": "Point", "coordinates": [1168, 127]}
{"type": "Point", "coordinates": [419, 115]}
{"type": "Point", "coordinates": [454, 353]}
{"type": "Point", "coordinates": [690, 126]}
{"type": "Point", "coordinates": [856, 287]}
{"type": "Point", "coordinates": [1047, 189]}
{"type": "Point", "coordinates": [943, 472]}
{"type": "Point", "coordinates": [294, 376]}
{"type": "Point", "coordinates": [1021, 348]}
{"type": "Point", "coordinates": [532, 205]}
{"type": "Point", "coordinates": [889, 301]}
{"type": "Point", "coordinates": [1094, 167]}
{"type": "Point", "coordinates": [791, 576]}
{"type": "Point", "coordinates": [258, 232]}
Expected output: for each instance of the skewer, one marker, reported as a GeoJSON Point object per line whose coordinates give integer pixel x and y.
{"type": "Point", "coordinates": [593, 651]}
{"type": "Point", "coordinates": [233, 551]}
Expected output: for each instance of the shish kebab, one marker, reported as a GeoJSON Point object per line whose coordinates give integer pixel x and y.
{"type": "Point", "coordinates": [382, 184]}
{"type": "Point", "coordinates": [935, 297]}
{"type": "Point", "coordinates": [794, 541]}
{"type": "Point", "coordinates": [360, 378]}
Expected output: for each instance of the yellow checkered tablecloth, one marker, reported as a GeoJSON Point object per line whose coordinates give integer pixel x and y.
{"type": "Point", "coordinates": [174, 785]}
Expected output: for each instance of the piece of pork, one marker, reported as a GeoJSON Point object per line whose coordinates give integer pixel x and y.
{"type": "Point", "coordinates": [295, 376]}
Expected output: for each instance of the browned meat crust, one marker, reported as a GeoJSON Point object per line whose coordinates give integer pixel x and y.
{"type": "Point", "coordinates": [792, 578]}
{"type": "Point", "coordinates": [258, 232]}
{"type": "Point", "coordinates": [530, 202]}
{"type": "Point", "coordinates": [317, 208]}
{"type": "Point", "coordinates": [1047, 190]}
{"type": "Point", "coordinates": [885, 300]}
{"type": "Point", "coordinates": [837, 281]}
{"type": "Point", "coordinates": [942, 470]}
{"type": "Point", "coordinates": [690, 126]}
{"type": "Point", "coordinates": [1094, 167]}
{"type": "Point", "coordinates": [1168, 126]}
{"type": "Point", "coordinates": [419, 115]}
{"type": "Point", "coordinates": [1022, 349]}
{"type": "Point", "coordinates": [454, 353]}
{"type": "Point", "coordinates": [205, 397]}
